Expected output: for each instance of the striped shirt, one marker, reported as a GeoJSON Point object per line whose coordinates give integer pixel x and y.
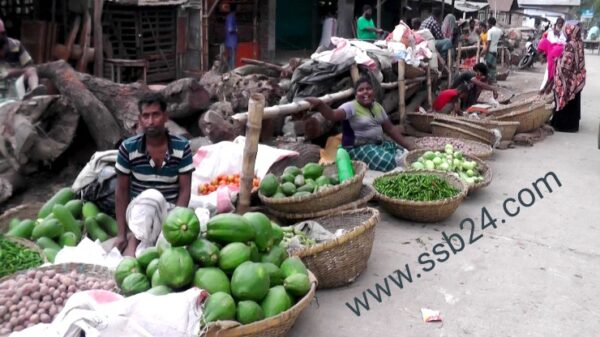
{"type": "Point", "coordinates": [135, 161]}
{"type": "Point", "coordinates": [434, 27]}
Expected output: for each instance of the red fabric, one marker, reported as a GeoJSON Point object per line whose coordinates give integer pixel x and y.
{"type": "Point", "coordinates": [570, 73]}
{"type": "Point", "coordinates": [553, 52]}
{"type": "Point", "coordinates": [444, 98]}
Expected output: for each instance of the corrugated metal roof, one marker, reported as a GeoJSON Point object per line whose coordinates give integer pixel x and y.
{"type": "Point", "coordinates": [466, 6]}
{"type": "Point", "coordinates": [501, 5]}
{"type": "Point", "coordinates": [549, 2]}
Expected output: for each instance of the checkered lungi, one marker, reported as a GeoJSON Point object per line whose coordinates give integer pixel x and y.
{"type": "Point", "coordinates": [378, 157]}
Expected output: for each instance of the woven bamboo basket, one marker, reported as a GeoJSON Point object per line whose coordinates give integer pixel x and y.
{"type": "Point", "coordinates": [424, 211]}
{"type": "Point", "coordinates": [366, 194]}
{"type": "Point", "coordinates": [470, 147]}
{"type": "Point", "coordinates": [328, 198]}
{"type": "Point", "coordinates": [529, 118]}
{"type": "Point", "coordinates": [25, 211]}
{"type": "Point", "coordinates": [276, 326]}
{"type": "Point", "coordinates": [506, 128]}
{"type": "Point", "coordinates": [340, 261]}
{"type": "Point", "coordinates": [520, 102]}
{"type": "Point", "coordinates": [28, 244]}
{"type": "Point", "coordinates": [502, 74]}
{"type": "Point", "coordinates": [466, 125]}
{"type": "Point", "coordinates": [421, 121]}
{"type": "Point", "coordinates": [441, 129]}
{"type": "Point", "coordinates": [100, 272]}
{"type": "Point", "coordinates": [483, 168]}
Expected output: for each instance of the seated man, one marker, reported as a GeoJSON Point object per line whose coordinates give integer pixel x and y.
{"type": "Point", "coordinates": [154, 175]}
{"type": "Point", "coordinates": [432, 23]}
{"type": "Point", "coordinates": [15, 62]}
{"type": "Point", "coordinates": [476, 82]}
{"type": "Point", "coordinates": [449, 100]}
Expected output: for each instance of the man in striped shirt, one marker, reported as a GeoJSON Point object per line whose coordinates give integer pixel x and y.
{"type": "Point", "coordinates": [154, 175]}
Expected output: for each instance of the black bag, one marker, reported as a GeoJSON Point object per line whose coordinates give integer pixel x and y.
{"type": "Point", "coordinates": [102, 190]}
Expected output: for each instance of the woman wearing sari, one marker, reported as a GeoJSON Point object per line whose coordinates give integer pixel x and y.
{"type": "Point", "coordinates": [569, 80]}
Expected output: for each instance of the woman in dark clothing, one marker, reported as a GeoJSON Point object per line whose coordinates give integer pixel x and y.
{"type": "Point", "coordinates": [569, 80]}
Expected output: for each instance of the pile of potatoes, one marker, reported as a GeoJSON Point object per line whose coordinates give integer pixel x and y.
{"type": "Point", "coordinates": [38, 296]}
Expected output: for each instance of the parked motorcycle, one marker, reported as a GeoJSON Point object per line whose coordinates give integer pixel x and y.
{"type": "Point", "coordinates": [530, 56]}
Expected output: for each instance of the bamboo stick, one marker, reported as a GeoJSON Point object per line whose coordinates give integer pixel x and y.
{"type": "Point", "coordinates": [429, 88]}
{"type": "Point", "coordinates": [256, 107]}
{"type": "Point", "coordinates": [458, 58]}
{"type": "Point", "coordinates": [449, 68]}
{"type": "Point", "coordinates": [478, 50]}
{"type": "Point", "coordinates": [98, 51]}
{"type": "Point", "coordinates": [354, 73]}
{"type": "Point", "coordinates": [262, 63]}
{"type": "Point", "coordinates": [401, 90]}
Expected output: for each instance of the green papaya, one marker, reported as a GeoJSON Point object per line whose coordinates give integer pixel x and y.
{"type": "Point", "coordinates": [299, 180]}
{"type": "Point", "coordinates": [302, 194]}
{"type": "Point", "coordinates": [292, 170]}
{"type": "Point", "coordinates": [60, 198]}
{"type": "Point", "coordinates": [204, 252]}
{"type": "Point", "coordinates": [268, 185]}
{"type": "Point", "coordinates": [219, 306]}
{"type": "Point", "coordinates": [293, 265]}
{"type": "Point", "coordinates": [297, 284]}
{"type": "Point", "coordinates": [275, 274]}
{"type": "Point", "coordinates": [322, 180]}
{"type": "Point", "coordinates": [279, 195]}
{"type": "Point", "coordinates": [135, 283]}
{"type": "Point", "coordinates": [181, 227]}
{"type": "Point", "coordinates": [334, 180]}
{"type": "Point", "coordinates": [45, 242]}
{"type": "Point", "coordinates": [212, 280]}
{"type": "Point", "coordinates": [13, 223]}
{"type": "Point", "coordinates": [250, 281]}
{"type": "Point", "coordinates": [162, 244]}
{"type": "Point", "coordinates": [229, 228]}
{"type": "Point", "coordinates": [94, 231]}
{"type": "Point", "coordinates": [277, 233]}
{"type": "Point", "coordinates": [254, 253]}
{"type": "Point", "coordinates": [176, 267]}
{"type": "Point", "coordinates": [262, 229]}
{"type": "Point", "coordinates": [275, 256]}
{"type": "Point", "coordinates": [157, 280]}
{"type": "Point", "coordinates": [276, 301]}
{"type": "Point", "coordinates": [50, 253]}
{"type": "Point", "coordinates": [107, 223]}
{"type": "Point", "coordinates": [308, 187]}
{"type": "Point", "coordinates": [70, 224]}
{"type": "Point", "coordinates": [288, 189]}
{"type": "Point", "coordinates": [23, 229]}
{"type": "Point", "coordinates": [312, 170]}
{"type": "Point", "coordinates": [75, 206]}
{"type": "Point", "coordinates": [287, 178]}
{"type": "Point", "coordinates": [128, 265]}
{"type": "Point", "coordinates": [233, 255]}
{"type": "Point", "coordinates": [160, 290]}
{"type": "Point", "coordinates": [69, 239]}
{"type": "Point", "coordinates": [50, 228]}
{"type": "Point", "coordinates": [146, 256]}
{"type": "Point", "coordinates": [151, 268]}
{"type": "Point", "coordinates": [248, 312]}
{"type": "Point", "coordinates": [89, 210]}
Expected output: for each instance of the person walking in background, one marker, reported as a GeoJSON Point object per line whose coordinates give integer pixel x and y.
{"type": "Point", "coordinates": [483, 34]}
{"type": "Point", "coordinates": [442, 44]}
{"type": "Point", "coordinates": [490, 51]}
{"type": "Point", "coordinates": [231, 37]}
{"type": "Point", "coordinates": [365, 27]}
{"type": "Point", "coordinates": [556, 35]}
{"type": "Point", "coordinates": [569, 80]}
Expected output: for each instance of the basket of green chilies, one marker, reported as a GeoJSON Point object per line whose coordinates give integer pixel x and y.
{"type": "Point", "coordinates": [421, 196]}
{"type": "Point", "coordinates": [18, 254]}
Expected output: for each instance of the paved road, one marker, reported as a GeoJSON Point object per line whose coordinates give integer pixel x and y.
{"type": "Point", "coordinates": [536, 274]}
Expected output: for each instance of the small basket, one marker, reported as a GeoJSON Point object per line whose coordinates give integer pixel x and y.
{"type": "Point", "coordinates": [276, 326]}
{"type": "Point", "coordinates": [470, 147]}
{"type": "Point", "coordinates": [529, 118]}
{"type": "Point", "coordinates": [484, 169]}
{"type": "Point", "coordinates": [25, 211]}
{"type": "Point", "coordinates": [421, 121]}
{"type": "Point", "coordinates": [424, 211]}
{"type": "Point", "coordinates": [464, 124]}
{"type": "Point", "coordinates": [366, 194]}
{"type": "Point", "coordinates": [28, 244]}
{"type": "Point", "coordinates": [340, 261]}
{"type": "Point", "coordinates": [328, 198]}
{"type": "Point", "coordinates": [447, 130]}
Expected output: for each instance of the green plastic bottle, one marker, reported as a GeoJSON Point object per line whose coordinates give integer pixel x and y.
{"type": "Point", "coordinates": [344, 165]}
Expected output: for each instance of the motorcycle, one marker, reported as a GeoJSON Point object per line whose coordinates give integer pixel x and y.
{"type": "Point", "coordinates": [531, 55]}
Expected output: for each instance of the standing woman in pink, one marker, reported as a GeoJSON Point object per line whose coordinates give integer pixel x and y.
{"type": "Point", "coordinates": [569, 80]}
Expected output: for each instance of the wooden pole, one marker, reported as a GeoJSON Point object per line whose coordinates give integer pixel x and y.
{"type": "Point", "coordinates": [401, 90]}
{"type": "Point", "coordinates": [478, 51]}
{"type": "Point", "coordinates": [429, 88]}
{"type": "Point", "coordinates": [256, 107]}
{"type": "Point", "coordinates": [98, 50]}
{"type": "Point", "coordinates": [458, 58]}
{"type": "Point", "coordinates": [354, 73]}
{"type": "Point", "coordinates": [449, 68]}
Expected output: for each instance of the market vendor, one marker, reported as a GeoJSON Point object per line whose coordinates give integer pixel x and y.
{"type": "Point", "coordinates": [442, 44]}
{"type": "Point", "coordinates": [476, 81]}
{"type": "Point", "coordinates": [449, 101]}
{"type": "Point", "coordinates": [365, 27]}
{"type": "Point", "coordinates": [16, 63]}
{"type": "Point", "coordinates": [154, 175]}
{"type": "Point", "coordinates": [364, 122]}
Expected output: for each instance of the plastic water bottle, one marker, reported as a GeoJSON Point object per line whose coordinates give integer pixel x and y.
{"type": "Point", "coordinates": [344, 165]}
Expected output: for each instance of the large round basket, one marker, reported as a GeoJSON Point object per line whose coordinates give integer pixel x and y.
{"type": "Point", "coordinates": [421, 121]}
{"type": "Point", "coordinates": [467, 125]}
{"type": "Point", "coordinates": [520, 101]}
{"type": "Point", "coordinates": [366, 194]}
{"type": "Point", "coordinates": [340, 261]}
{"type": "Point", "coordinates": [470, 147]}
{"type": "Point", "coordinates": [100, 272]}
{"type": "Point", "coordinates": [506, 128]}
{"type": "Point", "coordinates": [424, 211]}
{"type": "Point", "coordinates": [484, 169]}
{"type": "Point", "coordinates": [440, 129]}
{"type": "Point", "coordinates": [25, 211]}
{"type": "Point", "coordinates": [529, 118]}
{"type": "Point", "coordinates": [276, 326]}
{"type": "Point", "coordinates": [328, 198]}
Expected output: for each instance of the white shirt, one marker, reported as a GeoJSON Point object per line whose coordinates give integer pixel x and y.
{"type": "Point", "coordinates": [493, 36]}
{"type": "Point", "coordinates": [561, 38]}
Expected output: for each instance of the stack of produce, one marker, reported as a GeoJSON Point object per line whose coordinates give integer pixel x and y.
{"type": "Point", "coordinates": [290, 234]}
{"type": "Point", "coordinates": [450, 161]}
{"type": "Point", "coordinates": [224, 180]}
{"type": "Point", "coordinates": [415, 187]}
{"type": "Point", "coordinates": [15, 257]}
{"type": "Point", "coordinates": [37, 296]}
{"type": "Point", "coordinates": [297, 182]}
{"type": "Point", "coordinates": [239, 261]}
{"type": "Point", "coordinates": [62, 221]}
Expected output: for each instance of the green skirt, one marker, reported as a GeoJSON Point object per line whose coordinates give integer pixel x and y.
{"type": "Point", "coordinates": [378, 157]}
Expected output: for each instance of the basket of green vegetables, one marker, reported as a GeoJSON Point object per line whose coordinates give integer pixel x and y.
{"type": "Point", "coordinates": [422, 196]}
